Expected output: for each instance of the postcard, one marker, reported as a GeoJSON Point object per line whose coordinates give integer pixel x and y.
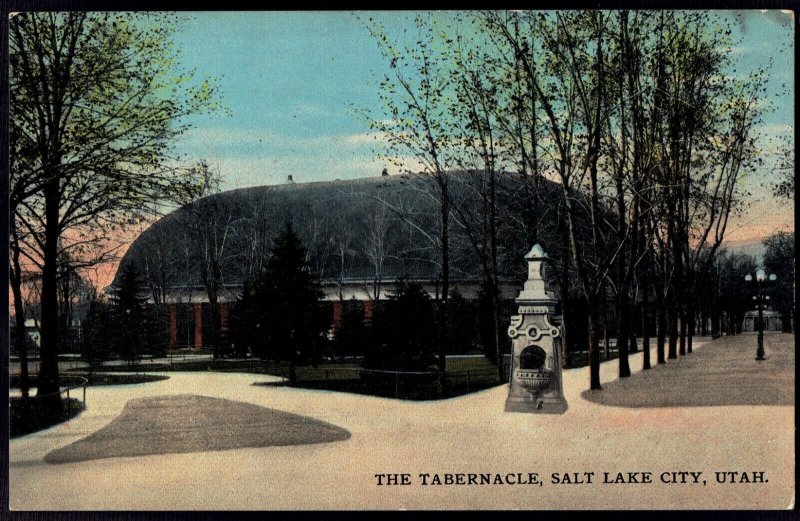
{"type": "Point", "coordinates": [401, 260]}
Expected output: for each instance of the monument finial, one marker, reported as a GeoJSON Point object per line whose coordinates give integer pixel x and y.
{"type": "Point", "coordinates": [536, 253]}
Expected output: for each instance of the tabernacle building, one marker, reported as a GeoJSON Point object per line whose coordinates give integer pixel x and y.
{"type": "Point", "coordinates": [362, 237]}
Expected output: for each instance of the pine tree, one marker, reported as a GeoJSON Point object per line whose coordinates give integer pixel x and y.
{"type": "Point", "coordinates": [96, 333]}
{"type": "Point", "coordinates": [353, 334]}
{"type": "Point", "coordinates": [405, 331]}
{"type": "Point", "coordinates": [243, 321]}
{"type": "Point", "coordinates": [129, 315]}
{"type": "Point", "coordinates": [289, 324]}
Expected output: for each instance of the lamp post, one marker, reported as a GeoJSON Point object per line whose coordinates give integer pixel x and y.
{"type": "Point", "coordinates": [761, 281]}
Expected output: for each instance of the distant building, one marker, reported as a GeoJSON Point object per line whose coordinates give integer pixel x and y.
{"type": "Point", "coordinates": [33, 334]}
{"type": "Point", "coordinates": [362, 236]}
{"type": "Point", "coordinates": [772, 320]}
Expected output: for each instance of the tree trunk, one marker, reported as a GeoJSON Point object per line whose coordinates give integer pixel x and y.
{"type": "Point", "coordinates": [533, 202]}
{"type": "Point", "coordinates": [606, 340]}
{"type": "Point", "coordinates": [661, 334]}
{"type": "Point", "coordinates": [690, 332]}
{"type": "Point", "coordinates": [213, 305]}
{"type": "Point", "coordinates": [633, 346]}
{"type": "Point", "coordinates": [292, 371]}
{"type": "Point", "coordinates": [20, 339]}
{"type": "Point", "coordinates": [212, 277]}
{"type": "Point", "coordinates": [564, 287]}
{"type": "Point", "coordinates": [645, 326]}
{"type": "Point", "coordinates": [496, 326]}
{"type": "Point", "coordinates": [48, 370]}
{"type": "Point", "coordinates": [493, 266]}
{"type": "Point", "coordinates": [672, 324]}
{"type": "Point", "coordinates": [594, 351]}
{"type": "Point", "coordinates": [564, 332]}
{"type": "Point", "coordinates": [444, 341]}
{"type": "Point", "coordinates": [682, 336]}
{"type": "Point", "coordinates": [215, 326]}
{"type": "Point", "coordinates": [622, 337]}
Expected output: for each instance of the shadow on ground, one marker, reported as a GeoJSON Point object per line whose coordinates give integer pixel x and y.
{"type": "Point", "coordinates": [190, 423]}
{"type": "Point", "coordinates": [724, 372]}
{"type": "Point", "coordinates": [35, 414]}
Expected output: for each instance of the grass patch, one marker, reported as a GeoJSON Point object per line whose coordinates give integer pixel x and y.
{"type": "Point", "coordinates": [463, 376]}
{"type": "Point", "coordinates": [122, 379]}
{"type": "Point", "coordinates": [96, 379]}
{"type": "Point", "coordinates": [400, 386]}
{"type": "Point", "coordinates": [35, 414]}
{"type": "Point", "coordinates": [581, 359]}
{"type": "Point", "coordinates": [470, 364]}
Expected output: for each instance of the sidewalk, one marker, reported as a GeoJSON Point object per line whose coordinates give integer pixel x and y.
{"type": "Point", "coordinates": [467, 434]}
{"type": "Point", "coordinates": [727, 375]}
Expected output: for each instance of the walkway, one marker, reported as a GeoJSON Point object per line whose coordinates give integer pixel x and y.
{"type": "Point", "coordinates": [725, 375]}
{"type": "Point", "coordinates": [468, 434]}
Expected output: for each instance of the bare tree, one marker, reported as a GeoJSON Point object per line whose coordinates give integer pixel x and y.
{"type": "Point", "coordinates": [210, 223]}
{"type": "Point", "coordinates": [93, 109]}
{"type": "Point", "coordinates": [377, 246]}
{"type": "Point", "coordinates": [416, 126]}
{"type": "Point", "coordinates": [569, 87]}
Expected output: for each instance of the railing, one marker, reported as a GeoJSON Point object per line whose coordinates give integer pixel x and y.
{"type": "Point", "coordinates": [415, 385]}
{"type": "Point", "coordinates": [348, 377]}
{"type": "Point", "coordinates": [62, 389]}
{"type": "Point", "coordinates": [82, 385]}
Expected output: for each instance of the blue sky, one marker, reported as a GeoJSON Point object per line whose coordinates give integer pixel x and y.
{"type": "Point", "coordinates": [289, 78]}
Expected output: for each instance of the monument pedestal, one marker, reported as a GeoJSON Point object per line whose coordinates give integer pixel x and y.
{"type": "Point", "coordinates": [535, 384]}
{"type": "Point", "coordinates": [545, 405]}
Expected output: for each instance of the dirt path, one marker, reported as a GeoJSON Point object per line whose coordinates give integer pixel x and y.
{"type": "Point", "coordinates": [725, 375]}
{"type": "Point", "coordinates": [468, 434]}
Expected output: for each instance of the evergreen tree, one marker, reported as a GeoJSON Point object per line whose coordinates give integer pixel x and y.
{"type": "Point", "coordinates": [352, 336]}
{"type": "Point", "coordinates": [156, 331]}
{"type": "Point", "coordinates": [405, 331]}
{"type": "Point", "coordinates": [244, 319]}
{"type": "Point", "coordinates": [96, 333]}
{"type": "Point", "coordinates": [283, 304]}
{"type": "Point", "coordinates": [129, 315]}
{"type": "Point", "coordinates": [462, 323]}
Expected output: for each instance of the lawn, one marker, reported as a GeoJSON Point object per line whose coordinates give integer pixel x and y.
{"type": "Point", "coordinates": [464, 375]}
{"type": "Point", "coordinates": [94, 379]}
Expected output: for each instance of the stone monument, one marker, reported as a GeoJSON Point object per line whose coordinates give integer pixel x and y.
{"type": "Point", "coordinates": [535, 379]}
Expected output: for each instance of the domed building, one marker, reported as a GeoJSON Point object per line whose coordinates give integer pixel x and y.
{"type": "Point", "coordinates": [362, 237]}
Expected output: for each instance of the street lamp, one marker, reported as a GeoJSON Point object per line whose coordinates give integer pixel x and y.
{"type": "Point", "coordinates": [761, 280]}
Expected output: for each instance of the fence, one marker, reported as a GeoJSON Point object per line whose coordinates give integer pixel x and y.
{"type": "Point", "coordinates": [81, 384]}
{"type": "Point", "coordinates": [346, 377]}
{"type": "Point", "coordinates": [409, 385]}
